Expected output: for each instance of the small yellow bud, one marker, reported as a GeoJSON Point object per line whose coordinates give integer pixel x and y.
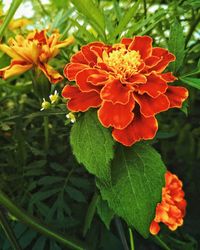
{"type": "Point", "coordinates": [72, 117]}
{"type": "Point", "coordinates": [45, 105]}
{"type": "Point", "coordinates": [54, 98]}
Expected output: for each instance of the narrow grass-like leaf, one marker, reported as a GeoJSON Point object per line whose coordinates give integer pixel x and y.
{"type": "Point", "coordinates": [91, 12]}
{"type": "Point", "coordinates": [13, 8]}
{"type": "Point", "coordinates": [126, 19]}
{"type": "Point", "coordinates": [137, 181]}
{"type": "Point", "coordinates": [191, 81]}
{"type": "Point", "coordinates": [176, 45]}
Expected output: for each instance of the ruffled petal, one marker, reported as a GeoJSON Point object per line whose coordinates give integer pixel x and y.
{"type": "Point", "coordinates": [143, 44]}
{"type": "Point", "coordinates": [71, 70]}
{"type": "Point", "coordinates": [116, 115]}
{"type": "Point", "coordinates": [137, 78]}
{"type": "Point", "coordinates": [15, 68]}
{"type": "Point", "coordinates": [115, 92]}
{"type": "Point", "coordinates": [52, 75]}
{"type": "Point", "coordinates": [151, 106]}
{"type": "Point", "coordinates": [176, 96]}
{"type": "Point", "coordinates": [10, 52]}
{"type": "Point", "coordinates": [98, 79]}
{"type": "Point", "coordinates": [89, 55]}
{"type": "Point", "coordinates": [166, 58]}
{"type": "Point", "coordinates": [154, 86]}
{"type": "Point", "coordinates": [152, 61]}
{"type": "Point", "coordinates": [79, 58]}
{"type": "Point", "coordinates": [83, 81]}
{"type": "Point", "coordinates": [80, 101]}
{"type": "Point", "coordinates": [168, 77]}
{"type": "Point", "coordinates": [126, 41]}
{"type": "Point", "coordinates": [141, 128]}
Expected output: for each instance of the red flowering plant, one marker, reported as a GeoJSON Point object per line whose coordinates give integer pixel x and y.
{"type": "Point", "coordinates": [126, 82]}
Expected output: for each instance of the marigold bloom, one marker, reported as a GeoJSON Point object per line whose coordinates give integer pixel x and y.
{"type": "Point", "coordinates": [172, 208]}
{"type": "Point", "coordinates": [125, 81]}
{"type": "Point", "coordinates": [33, 51]}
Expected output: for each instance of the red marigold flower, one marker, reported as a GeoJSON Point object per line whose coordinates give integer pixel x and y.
{"type": "Point", "coordinates": [172, 208]}
{"type": "Point", "coordinates": [125, 82]}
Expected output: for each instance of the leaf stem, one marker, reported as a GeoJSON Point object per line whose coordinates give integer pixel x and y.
{"type": "Point", "coordinates": [22, 216]}
{"type": "Point", "coordinates": [8, 230]}
{"type": "Point", "coordinates": [161, 242]}
{"type": "Point", "coordinates": [131, 239]}
{"type": "Point", "coordinates": [46, 133]}
{"type": "Point", "coordinates": [121, 233]}
{"type": "Point", "coordinates": [192, 29]}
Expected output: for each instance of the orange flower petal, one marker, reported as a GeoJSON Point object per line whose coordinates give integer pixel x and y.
{"type": "Point", "coordinates": [126, 41]}
{"type": "Point", "coordinates": [137, 78]}
{"type": "Point", "coordinates": [115, 92]}
{"type": "Point", "coordinates": [80, 101]}
{"type": "Point", "coordinates": [143, 44]}
{"type": "Point", "coordinates": [15, 68]}
{"type": "Point", "coordinates": [52, 75]}
{"type": "Point", "coordinates": [152, 61]}
{"type": "Point", "coordinates": [168, 77]}
{"type": "Point", "coordinates": [83, 82]}
{"type": "Point", "coordinates": [98, 79]}
{"type": "Point", "coordinates": [150, 106]}
{"type": "Point", "coordinates": [165, 56]}
{"type": "Point", "coordinates": [71, 70]}
{"type": "Point", "coordinates": [154, 86]}
{"type": "Point", "coordinates": [141, 128]}
{"type": "Point", "coordinates": [10, 52]}
{"type": "Point", "coordinates": [176, 96]}
{"type": "Point", "coordinates": [78, 58]}
{"type": "Point", "coordinates": [116, 115]}
{"type": "Point", "coordinates": [154, 228]}
{"type": "Point", "coordinates": [89, 55]}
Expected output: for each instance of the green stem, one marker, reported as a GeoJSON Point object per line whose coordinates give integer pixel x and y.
{"type": "Point", "coordinates": [42, 7]}
{"type": "Point", "coordinates": [121, 233]}
{"type": "Point", "coordinates": [46, 133]}
{"type": "Point", "coordinates": [131, 239]}
{"type": "Point", "coordinates": [8, 231]}
{"type": "Point", "coordinates": [22, 216]}
{"type": "Point", "coordinates": [13, 8]}
{"type": "Point", "coordinates": [192, 29]}
{"type": "Point", "coordinates": [161, 243]}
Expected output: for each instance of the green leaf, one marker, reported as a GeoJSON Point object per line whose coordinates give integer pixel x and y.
{"type": "Point", "coordinates": [105, 213]}
{"type": "Point", "coordinates": [191, 81]}
{"type": "Point", "coordinates": [92, 13]}
{"type": "Point", "coordinates": [126, 19]}
{"type": "Point", "coordinates": [137, 181]}
{"type": "Point", "coordinates": [92, 145]}
{"type": "Point", "coordinates": [176, 45]}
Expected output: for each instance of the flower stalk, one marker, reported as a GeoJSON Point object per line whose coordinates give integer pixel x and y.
{"type": "Point", "coordinates": [36, 225]}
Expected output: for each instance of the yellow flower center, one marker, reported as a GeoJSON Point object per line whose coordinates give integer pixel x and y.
{"type": "Point", "coordinates": [125, 63]}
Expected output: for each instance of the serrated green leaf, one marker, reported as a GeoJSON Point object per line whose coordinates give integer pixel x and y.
{"type": "Point", "coordinates": [176, 45]}
{"type": "Point", "coordinates": [191, 81]}
{"type": "Point", "coordinates": [137, 181]}
{"type": "Point", "coordinates": [105, 213]}
{"type": "Point", "coordinates": [92, 145]}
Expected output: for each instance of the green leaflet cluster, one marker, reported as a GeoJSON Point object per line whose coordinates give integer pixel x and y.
{"type": "Point", "coordinates": [130, 179]}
